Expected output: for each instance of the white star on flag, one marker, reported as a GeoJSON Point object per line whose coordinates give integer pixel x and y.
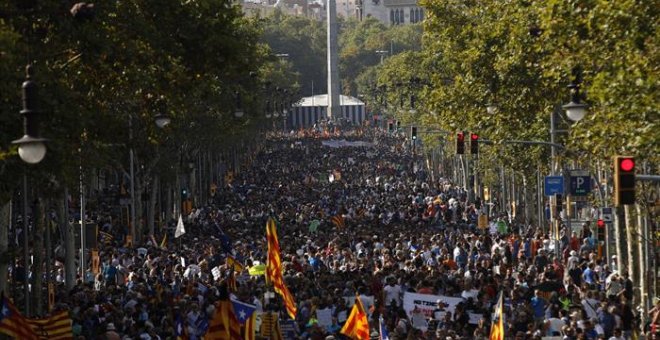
{"type": "Point", "coordinates": [243, 310]}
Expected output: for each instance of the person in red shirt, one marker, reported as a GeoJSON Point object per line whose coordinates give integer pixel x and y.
{"type": "Point", "coordinates": [574, 242]}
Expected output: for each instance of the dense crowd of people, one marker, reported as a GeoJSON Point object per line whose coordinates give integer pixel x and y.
{"type": "Point", "coordinates": [400, 231]}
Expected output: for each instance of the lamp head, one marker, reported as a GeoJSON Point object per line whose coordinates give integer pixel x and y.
{"type": "Point", "coordinates": [162, 120]}
{"type": "Point", "coordinates": [575, 111]}
{"type": "Point", "coordinates": [31, 150]}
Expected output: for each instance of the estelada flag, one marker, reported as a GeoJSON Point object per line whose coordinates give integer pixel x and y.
{"type": "Point", "coordinates": [497, 327]}
{"type": "Point", "coordinates": [57, 326]}
{"type": "Point", "coordinates": [12, 323]}
{"type": "Point", "coordinates": [224, 325]}
{"type": "Point", "coordinates": [274, 269]}
{"type": "Point", "coordinates": [357, 325]}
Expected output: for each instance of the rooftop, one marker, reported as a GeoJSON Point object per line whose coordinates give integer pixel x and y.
{"type": "Point", "coordinates": [322, 100]}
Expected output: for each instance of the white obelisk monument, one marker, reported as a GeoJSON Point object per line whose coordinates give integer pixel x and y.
{"type": "Point", "coordinates": [334, 109]}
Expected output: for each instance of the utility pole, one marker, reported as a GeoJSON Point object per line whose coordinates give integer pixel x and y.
{"type": "Point", "coordinates": [5, 223]}
{"type": "Point", "coordinates": [69, 243]}
{"type": "Point", "coordinates": [37, 263]}
{"type": "Point", "coordinates": [642, 239]}
{"type": "Point", "coordinates": [26, 244]}
{"type": "Point", "coordinates": [629, 241]}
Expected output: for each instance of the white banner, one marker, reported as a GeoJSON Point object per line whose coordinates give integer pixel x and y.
{"type": "Point", "coordinates": [334, 143]}
{"type": "Point", "coordinates": [427, 303]}
{"type": "Point", "coordinates": [324, 317]}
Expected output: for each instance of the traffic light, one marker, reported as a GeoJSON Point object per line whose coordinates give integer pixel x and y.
{"type": "Point", "coordinates": [624, 180]}
{"type": "Point", "coordinates": [390, 127]}
{"type": "Point", "coordinates": [184, 194]}
{"type": "Point", "coordinates": [601, 229]}
{"type": "Point", "coordinates": [460, 143]}
{"type": "Point", "coordinates": [559, 203]}
{"type": "Point", "coordinates": [413, 133]}
{"type": "Point", "coordinates": [474, 144]}
{"type": "Point", "coordinates": [398, 125]}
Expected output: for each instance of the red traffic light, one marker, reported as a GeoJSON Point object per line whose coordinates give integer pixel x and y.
{"type": "Point", "coordinates": [460, 136]}
{"type": "Point", "coordinates": [474, 136]}
{"type": "Point", "coordinates": [600, 223]}
{"type": "Point", "coordinates": [627, 164]}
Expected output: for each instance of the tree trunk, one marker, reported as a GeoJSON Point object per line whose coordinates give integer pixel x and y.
{"type": "Point", "coordinates": [631, 250]}
{"type": "Point", "coordinates": [5, 221]}
{"type": "Point", "coordinates": [168, 202]}
{"type": "Point", "coordinates": [48, 246]}
{"type": "Point", "coordinates": [618, 240]}
{"type": "Point", "coordinates": [192, 187]}
{"type": "Point", "coordinates": [37, 256]}
{"type": "Point", "coordinates": [151, 209]}
{"type": "Point", "coordinates": [139, 214]}
{"type": "Point", "coordinates": [70, 270]}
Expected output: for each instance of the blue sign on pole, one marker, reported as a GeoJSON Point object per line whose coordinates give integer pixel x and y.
{"type": "Point", "coordinates": [580, 183]}
{"type": "Point", "coordinates": [554, 185]}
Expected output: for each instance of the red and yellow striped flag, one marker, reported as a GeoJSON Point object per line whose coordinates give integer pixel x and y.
{"type": "Point", "coordinates": [13, 324]}
{"type": "Point", "coordinates": [357, 325]}
{"type": "Point", "coordinates": [274, 269]}
{"type": "Point", "coordinates": [249, 330]}
{"type": "Point", "coordinates": [56, 327]}
{"type": "Point", "coordinates": [338, 221]}
{"type": "Point", "coordinates": [233, 264]}
{"type": "Point", "coordinates": [224, 325]}
{"type": "Point", "coordinates": [497, 327]}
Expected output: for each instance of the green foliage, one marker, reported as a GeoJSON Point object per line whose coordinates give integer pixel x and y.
{"type": "Point", "coordinates": [520, 55]}
{"type": "Point", "coordinates": [132, 59]}
{"type": "Point", "coordinates": [360, 41]}
{"type": "Point", "coordinates": [304, 40]}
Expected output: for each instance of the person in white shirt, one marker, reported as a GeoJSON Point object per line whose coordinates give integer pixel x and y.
{"type": "Point", "coordinates": [392, 292]}
{"type": "Point", "coordinates": [618, 335]}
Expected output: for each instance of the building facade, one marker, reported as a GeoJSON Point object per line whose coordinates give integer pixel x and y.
{"type": "Point", "coordinates": [311, 110]}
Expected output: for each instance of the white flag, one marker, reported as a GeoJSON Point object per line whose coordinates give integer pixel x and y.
{"type": "Point", "coordinates": [180, 229]}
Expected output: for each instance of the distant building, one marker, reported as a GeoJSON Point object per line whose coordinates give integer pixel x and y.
{"type": "Point", "coordinates": [265, 7]}
{"type": "Point", "coordinates": [389, 12]}
{"type": "Point", "coordinates": [310, 110]}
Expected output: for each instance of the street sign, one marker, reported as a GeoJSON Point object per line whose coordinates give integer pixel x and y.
{"type": "Point", "coordinates": [554, 185]}
{"type": "Point", "coordinates": [606, 215]}
{"type": "Point", "coordinates": [580, 183]}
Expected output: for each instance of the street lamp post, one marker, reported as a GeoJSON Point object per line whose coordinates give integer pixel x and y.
{"type": "Point", "coordinates": [161, 119]}
{"type": "Point", "coordinates": [238, 111]}
{"type": "Point", "coordinates": [575, 111]}
{"type": "Point", "coordinates": [382, 53]}
{"type": "Point", "coordinates": [31, 149]}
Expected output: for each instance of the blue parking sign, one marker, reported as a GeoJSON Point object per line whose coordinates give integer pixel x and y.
{"type": "Point", "coordinates": [580, 183]}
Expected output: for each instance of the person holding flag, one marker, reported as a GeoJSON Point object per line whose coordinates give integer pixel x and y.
{"type": "Point", "coordinates": [357, 325]}
{"type": "Point", "coordinates": [497, 326]}
{"type": "Point", "coordinates": [274, 268]}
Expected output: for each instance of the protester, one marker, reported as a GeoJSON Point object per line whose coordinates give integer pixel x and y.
{"type": "Point", "coordinates": [361, 217]}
